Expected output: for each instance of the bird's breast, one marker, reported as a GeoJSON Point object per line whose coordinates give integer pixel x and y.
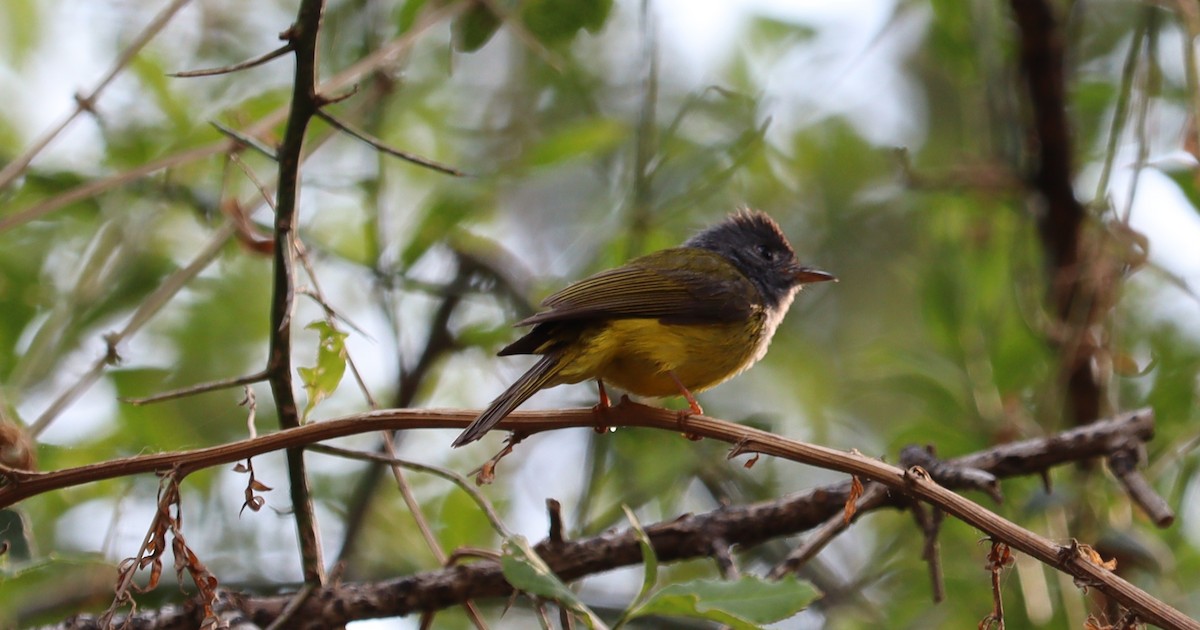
{"type": "Point", "coordinates": [637, 355]}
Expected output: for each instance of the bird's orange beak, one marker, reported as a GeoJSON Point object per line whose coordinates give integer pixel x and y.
{"type": "Point", "coordinates": [808, 275]}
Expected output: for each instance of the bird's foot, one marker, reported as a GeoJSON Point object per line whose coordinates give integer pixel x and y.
{"type": "Point", "coordinates": [600, 409]}
{"type": "Point", "coordinates": [694, 406]}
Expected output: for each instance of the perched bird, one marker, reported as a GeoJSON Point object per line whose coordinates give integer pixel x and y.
{"type": "Point", "coordinates": [677, 321]}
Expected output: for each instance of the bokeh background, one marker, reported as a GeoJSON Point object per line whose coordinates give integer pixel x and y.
{"type": "Point", "coordinates": [890, 140]}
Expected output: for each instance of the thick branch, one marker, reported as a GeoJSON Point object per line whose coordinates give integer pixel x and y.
{"type": "Point", "coordinates": [303, 39]}
{"type": "Point", "coordinates": [1061, 218]}
{"type": "Point", "coordinates": [1042, 62]}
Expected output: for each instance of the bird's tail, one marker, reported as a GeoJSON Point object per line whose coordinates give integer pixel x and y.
{"type": "Point", "coordinates": [520, 391]}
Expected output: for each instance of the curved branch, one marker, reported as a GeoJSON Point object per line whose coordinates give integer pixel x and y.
{"type": "Point", "coordinates": [1008, 460]}
{"type": "Point", "coordinates": [693, 536]}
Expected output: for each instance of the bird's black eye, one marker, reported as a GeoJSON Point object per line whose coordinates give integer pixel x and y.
{"type": "Point", "coordinates": [765, 252]}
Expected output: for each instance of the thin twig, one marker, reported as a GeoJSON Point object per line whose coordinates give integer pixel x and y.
{"type": "Point", "coordinates": [1190, 17]}
{"type": "Point", "coordinates": [332, 318]}
{"type": "Point", "coordinates": [250, 234]}
{"type": "Point", "coordinates": [199, 388]}
{"type": "Point", "coordinates": [392, 151]}
{"type": "Point", "coordinates": [152, 545]}
{"type": "Point", "coordinates": [293, 607]}
{"type": "Point", "coordinates": [554, 512]}
{"type": "Point", "coordinates": [641, 192]}
{"type": "Point", "coordinates": [438, 343]}
{"type": "Point", "coordinates": [724, 559]}
{"type": "Point", "coordinates": [97, 266]}
{"type": "Point", "coordinates": [250, 402]}
{"type": "Point", "coordinates": [1123, 464]}
{"type": "Point", "coordinates": [418, 515]}
{"type": "Point", "coordinates": [388, 448]}
{"type": "Point", "coordinates": [930, 524]}
{"type": "Point", "coordinates": [820, 537]}
{"type": "Point", "coordinates": [245, 140]}
{"type": "Point", "coordinates": [1143, 110]}
{"type": "Point", "coordinates": [95, 187]}
{"type": "Point", "coordinates": [1121, 108]}
{"type": "Point", "coordinates": [462, 482]}
{"type": "Point", "coordinates": [244, 65]}
{"type": "Point", "coordinates": [161, 296]}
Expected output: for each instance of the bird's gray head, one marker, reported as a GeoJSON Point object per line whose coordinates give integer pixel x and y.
{"type": "Point", "coordinates": [753, 242]}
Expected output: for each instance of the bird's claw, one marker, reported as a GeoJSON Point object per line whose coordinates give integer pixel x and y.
{"type": "Point", "coordinates": [682, 418]}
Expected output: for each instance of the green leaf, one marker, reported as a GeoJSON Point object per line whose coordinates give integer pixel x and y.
{"type": "Point", "coordinates": [24, 585]}
{"type": "Point", "coordinates": [15, 535]}
{"type": "Point", "coordinates": [447, 211]}
{"type": "Point", "coordinates": [474, 27]}
{"type": "Point", "coordinates": [407, 16]}
{"type": "Point", "coordinates": [769, 30]}
{"type": "Point", "coordinates": [526, 571]}
{"type": "Point", "coordinates": [322, 379]}
{"type": "Point", "coordinates": [649, 563]}
{"type": "Point", "coordinates": [594, 13]}
{"type": "Point", "coordinates": [588, 137]}
{"type": "Point", "coordinates": [153, 77]}
{"type": "Point", "coordinates": [1185, 179]}
{"type": "Point", "coordinates": [464, 524]}
{"type": "Point", "coordinates": [649, 558]}
{"type": "Point", "coordinates": [21, 28]}
{"type": "Point", "coordinates": [745, 604]}
{"type": "Point", "coordinates": [554, 21]}
{"type": "Point", "coordinates": [485, 335]}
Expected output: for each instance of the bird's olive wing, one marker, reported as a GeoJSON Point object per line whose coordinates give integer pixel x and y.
{"type": "Point", "coordinates": [681, 285]}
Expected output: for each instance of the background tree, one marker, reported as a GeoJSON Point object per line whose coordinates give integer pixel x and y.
{"type": "Point", "coordinates": [1022, 265]}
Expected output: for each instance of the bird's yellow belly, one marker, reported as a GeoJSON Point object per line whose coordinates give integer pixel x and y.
{"type": "Point", "coordinates": [637, 355]}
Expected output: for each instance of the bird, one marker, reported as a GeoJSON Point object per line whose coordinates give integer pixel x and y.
{"type": "Point", "coordinates": [676, 321]}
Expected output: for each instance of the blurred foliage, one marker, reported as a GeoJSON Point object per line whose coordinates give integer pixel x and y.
{"type": "Point", "coordinates": [592, 131]}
